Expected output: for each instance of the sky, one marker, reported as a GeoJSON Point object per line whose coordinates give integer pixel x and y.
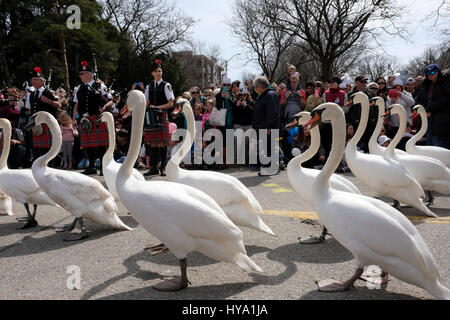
{"type": "Point", "coordinates": [213, 14]}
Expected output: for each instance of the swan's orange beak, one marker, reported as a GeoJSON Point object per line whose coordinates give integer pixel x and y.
{"type": "Point", "coordinates": [314, 121]}
{"type": "Point", "coordinates": [124, 110]}
{"type": "Point", "coordinates": [349, 103]}
{"type": "Point", "coordinates": [387, 113]}
{"type": "Point", "coordinates": [177, 110]}
{"type": "Point", "coordinates": [373, 103]}
{"type": "Point", "coordinates": [292, 124]}
{"type": "Point", "coordinates": [414, 114]}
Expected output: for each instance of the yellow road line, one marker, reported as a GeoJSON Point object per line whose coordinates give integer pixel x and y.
{"type": "Point", "coordinates": [313, 216]}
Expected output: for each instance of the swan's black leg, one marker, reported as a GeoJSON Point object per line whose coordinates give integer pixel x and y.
{"type": "Point", "coordinates": [24, 219]}
{"type": "Point", "coordinates": [34, 210]}
{"type": "Point", "coordinates": [430, 199]}
{"type": "Point", "coordinates": [31, 222]}
{"type": "Point", "coordinates": [175, 283]}
{"type": "Point", "coordinates": [67, 227]}
{"type": "Point", "coordinates": [78, 236]}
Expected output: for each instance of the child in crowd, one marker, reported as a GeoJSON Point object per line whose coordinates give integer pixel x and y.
{"type": "Point", "coordinates": [209, 108]}
{"type": "Point", "coordinates": [198, 109]}
{"type": "Point", "coordinates": [69, 132]}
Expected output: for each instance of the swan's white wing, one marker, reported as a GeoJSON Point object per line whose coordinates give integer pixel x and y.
{"type": "Point", "coordinates": [73, 190]}
{"type": "Point", "coordinates": [189, 209]}
{"type": "Point", "coordinates": [22, 187]}
{"type": "Point", "coordinates": [223, 188]}
{"type": "Point", "coordinates": [385, 230]}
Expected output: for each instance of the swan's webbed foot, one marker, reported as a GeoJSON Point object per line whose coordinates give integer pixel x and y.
{"type": "Point", "coordinates": [333, 285]}
{"type": "Point", "coordinates": [31, 223]}
{"type": "Point", "coordinates": [67, 227]}
{"type": "Point", "coordinates": [157, 249]}
{"type": "Point", "coordinates": [23, 219]}
{"type": "Point", "coordinates": [78, 236]}
{"type": "Point", "coordinates": [314, 240]}
{"type": "Point", "coordinates": [175, 283]}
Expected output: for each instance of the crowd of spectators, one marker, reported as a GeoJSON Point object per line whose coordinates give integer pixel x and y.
{"type": "Point", "coordinates": [258, 105]}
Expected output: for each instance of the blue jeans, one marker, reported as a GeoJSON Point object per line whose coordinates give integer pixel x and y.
{"type": "Point", "coordinates": [443, 142]}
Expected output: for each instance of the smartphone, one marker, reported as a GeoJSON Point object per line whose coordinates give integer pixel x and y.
{"type": "Point", "coordinates": [316, 93]}
{"type": "Point", "coordinates": [138, 84]}
{"type": "Point", "coordinates": [393, 94]}
{"type": "Point", "coordinates": [224, 89]}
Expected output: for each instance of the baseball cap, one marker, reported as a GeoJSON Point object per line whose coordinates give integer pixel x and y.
{"type": "Point", "coordinates": [432, 69]}
{"type": "Point", "coordinates": [361, 79]}
{"type": "Point", "coordinates": [383, 139]}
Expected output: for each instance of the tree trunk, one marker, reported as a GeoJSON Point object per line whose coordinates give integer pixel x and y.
{"type": "Point", "coordinates": [325, 73]}
{"type": "Point", "coordinates": [5, 63]}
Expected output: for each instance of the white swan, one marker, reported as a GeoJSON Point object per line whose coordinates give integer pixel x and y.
{"type": "Point", "coordinates": [384, 175]}
{"type": "Point", "coordinates": [5, 204]}
{"type": "Point", "coordinates": [439, 153]}
{"type": "Point", "coordinates": [82, 196]}
{"type": "Point", "coordinates": [373, 231]}
{"type": "Point", "coordinates": [110, 166]}
{"type": "Point", "coordinates": [432, 174]}
{"type": "Point", "coordinates": [20, 184]}
{"type": "Point", "coordinates": [302, 179]}
{"type": "Point", "coordinates": [374, 147]}
{"type": "Point", "coordinates": [184, 218]}
{"type": "Point", "coordinates": [231, 195]}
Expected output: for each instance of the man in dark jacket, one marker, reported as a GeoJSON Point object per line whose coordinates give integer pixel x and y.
{"type": "Point", "coordinates": [353, 116]}
{"type": "Point", "coordinates": [266, 116]}
{"type": "Point", "coordinates": [434, 95]}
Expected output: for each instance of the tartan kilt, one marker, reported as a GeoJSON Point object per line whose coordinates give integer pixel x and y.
{"type": "Point", "coordinates": [160, 135]}
{"type": "Point", "coordinates": [44, 140]}
{"type": "Point", "coordinates": [96, 137]}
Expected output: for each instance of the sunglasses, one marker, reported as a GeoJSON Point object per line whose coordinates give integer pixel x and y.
{"type": "Point", "coordinates": [195, 92]}
{"type": "Point", "coordinates": [373, 88]}
{"type": "Point", "coordinates": [381, 82]}
{"type": "Point", "coordinates": [432, 73]}
{"type": "Point", "coordinates": [82, 73]}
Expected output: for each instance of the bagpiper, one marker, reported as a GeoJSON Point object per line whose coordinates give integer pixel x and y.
{"type": "Point", "coordinates": [90, 102]}
{"type": "Point", "coordinates": [41, 99]}
{"type": "Point", "coordinates": [160, 97]}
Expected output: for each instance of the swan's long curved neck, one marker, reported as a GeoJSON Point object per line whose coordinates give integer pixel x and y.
{"type": "Point", "coordinates": [55, 130]}
{"type": "Point", "coordinates": [135, 141]}
{"type": "Point", "coordinates": [109, 155]}
{"type": "Point", "coordinates": [422, 131]}
{"type": "Point", "coordinates": [337, 151]}
{"type": "Point", "coordinates": [5, 125]}
{"type": "Point", "coordinates": [362, 123]}
{"type": "Point", "coordinates": [373, 142]}
{"type": "Point", "coordinates": [173, 165]}
{"type": "Point", "coordinates": [312, 150]}
{"type": "Point", "coordinates": [398, 137]}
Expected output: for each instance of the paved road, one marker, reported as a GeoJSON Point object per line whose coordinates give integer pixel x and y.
{"type": "Point", "coordinates": [113, 265]}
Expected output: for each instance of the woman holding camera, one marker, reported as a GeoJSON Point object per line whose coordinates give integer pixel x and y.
{"type": "Point", "coordinates": [160, 98]}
